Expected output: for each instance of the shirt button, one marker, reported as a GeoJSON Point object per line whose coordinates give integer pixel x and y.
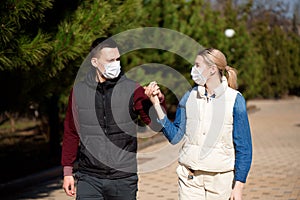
{"type": "Point", "coordinates": [203, 133]}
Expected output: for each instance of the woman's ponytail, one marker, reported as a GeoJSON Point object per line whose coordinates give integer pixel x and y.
{"type": "Point", "coordinates": [231, 76]}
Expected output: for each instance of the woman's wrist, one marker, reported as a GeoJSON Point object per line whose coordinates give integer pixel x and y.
{"type": "Point", "coordinates": [159, 111]}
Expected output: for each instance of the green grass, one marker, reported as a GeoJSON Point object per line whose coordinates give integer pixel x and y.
{"type": "Point", "coordinates": [19, 125]}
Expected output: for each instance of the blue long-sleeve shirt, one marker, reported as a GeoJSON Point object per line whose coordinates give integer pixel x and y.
{"type": "Point", "coordinates": [174, 132]}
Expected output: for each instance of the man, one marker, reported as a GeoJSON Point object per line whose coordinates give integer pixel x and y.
{"type": "Point", "coordinates": [101, 120]}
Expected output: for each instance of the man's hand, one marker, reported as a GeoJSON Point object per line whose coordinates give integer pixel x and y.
{"type": "Point", "coordinates": [69, 185]}
{"type": "Point", "coordinates": [153, 92]}
{"type": "Point", "coordinates": [160, 95]}
{"type": "Point", "coordinates": [237, 191]}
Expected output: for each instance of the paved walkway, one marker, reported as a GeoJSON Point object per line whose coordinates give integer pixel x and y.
{"type": "Point", "coordinates": [275, 172]}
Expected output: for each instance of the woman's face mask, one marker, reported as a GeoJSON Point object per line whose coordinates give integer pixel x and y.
{"type": "Point", "coordinates": [197, 75]}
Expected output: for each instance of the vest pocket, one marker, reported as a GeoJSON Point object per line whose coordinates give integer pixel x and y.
{"type": "Point", "coordinates": [228, 149]}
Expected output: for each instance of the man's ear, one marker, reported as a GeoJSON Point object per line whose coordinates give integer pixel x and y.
{"type": "Point", "coordinates": [94, 62]}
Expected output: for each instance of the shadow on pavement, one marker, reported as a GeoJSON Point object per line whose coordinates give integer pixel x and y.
{"type": "Point", "coordinates": [40, 185]}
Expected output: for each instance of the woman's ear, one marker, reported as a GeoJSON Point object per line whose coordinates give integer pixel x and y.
{"type": "Point", "coordinates": [213, 69]}
{"type": "Point", "coordinates": [94, 62]}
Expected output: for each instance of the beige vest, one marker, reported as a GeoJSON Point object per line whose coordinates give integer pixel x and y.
{"type": "Point", "coordinates": [209, 124]}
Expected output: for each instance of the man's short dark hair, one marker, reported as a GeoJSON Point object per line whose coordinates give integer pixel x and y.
{"type": "Point", "coordinates": [101, 43]}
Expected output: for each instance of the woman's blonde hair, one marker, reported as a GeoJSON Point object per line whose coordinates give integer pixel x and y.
{"type": "Point", "coordinates": [215, 57]}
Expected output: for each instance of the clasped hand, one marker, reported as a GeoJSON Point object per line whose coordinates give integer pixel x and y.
{"type": "Point", "coordinates": [154, 93]}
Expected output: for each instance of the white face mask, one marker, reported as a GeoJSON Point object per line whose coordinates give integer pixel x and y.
{"type": "Point", "coordinates": [112, 70]}
{"type": "Point", "coordinates": [197, 75]}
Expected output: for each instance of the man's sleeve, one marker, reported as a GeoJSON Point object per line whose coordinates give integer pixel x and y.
{"type": "Point", "coordinates": [70, 137]}
{"type": "Point", "coordinates": [144, 107]}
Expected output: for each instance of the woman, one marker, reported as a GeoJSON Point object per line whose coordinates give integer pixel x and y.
{"type": "Point", "coordinates": [212, 118]}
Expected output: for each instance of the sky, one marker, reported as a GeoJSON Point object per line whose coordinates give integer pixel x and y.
{"type": "Point", "coordinates": [291, 3]}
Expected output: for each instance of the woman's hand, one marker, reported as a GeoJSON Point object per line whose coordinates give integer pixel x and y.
{"type": "Point", "coordinates": [237, 191]}
{"type": "Point", "coordinates": [153, 92]}
{"type": "Point", "coordinates": [156, 97]}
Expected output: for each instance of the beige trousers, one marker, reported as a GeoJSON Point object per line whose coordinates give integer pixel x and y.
{"type": "Point", "coordinates": [204, 185]}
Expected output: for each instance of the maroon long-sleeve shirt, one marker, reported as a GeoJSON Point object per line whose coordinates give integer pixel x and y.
{"type": "Point", "coordinates": [71, 137]}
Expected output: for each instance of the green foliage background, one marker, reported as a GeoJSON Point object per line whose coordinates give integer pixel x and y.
{"type": "Point", "coordinates": [43, 43]}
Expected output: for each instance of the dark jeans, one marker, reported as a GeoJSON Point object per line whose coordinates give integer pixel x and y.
{"type": "Point", "coordinates": [92, 188]}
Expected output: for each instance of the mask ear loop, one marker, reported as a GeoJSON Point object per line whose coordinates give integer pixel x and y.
{"type": "Point", "coordinates": [97, 70]}
{"type": "Point", "coordinates": [211, 66]}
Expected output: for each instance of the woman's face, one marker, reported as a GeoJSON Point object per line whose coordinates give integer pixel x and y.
{"type": "Point", "coordinates": [201, 65]}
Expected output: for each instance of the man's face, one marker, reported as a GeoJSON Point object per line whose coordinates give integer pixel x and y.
{"type": "Point", "coordinates": [106, 55]}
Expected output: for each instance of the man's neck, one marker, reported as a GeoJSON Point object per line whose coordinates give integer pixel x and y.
{"type": "Point", "coordinates": [99, 77]}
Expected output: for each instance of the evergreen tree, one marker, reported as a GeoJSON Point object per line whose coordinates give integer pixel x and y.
{"type": "Point", "coordinates": [43, 44]}
{"type": "Point", "coordinates": [23, 45]}
{"type": "Point", "coordinates": [241, 50]}
{"type": "Point", "coordinates": [278, 46]}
